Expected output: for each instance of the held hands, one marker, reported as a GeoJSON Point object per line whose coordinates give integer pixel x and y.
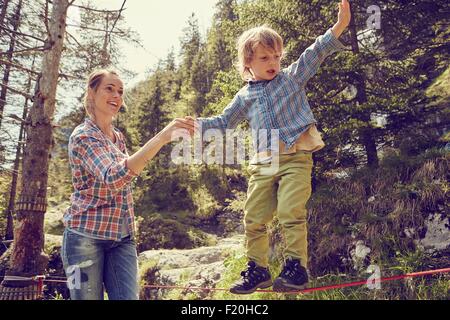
{"type": "Point", "coordinates": [179, 127]}
{"type": "Point", "coordinates": [344, 17]}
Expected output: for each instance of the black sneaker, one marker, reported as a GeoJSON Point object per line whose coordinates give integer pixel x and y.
{"type": "Point", "coordinates": [253, 277]}
{"type": "Point", "coordinates": [293, 277]}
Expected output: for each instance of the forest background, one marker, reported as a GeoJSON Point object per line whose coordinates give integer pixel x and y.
{"type": "Point", "coordinates": [380, 185]}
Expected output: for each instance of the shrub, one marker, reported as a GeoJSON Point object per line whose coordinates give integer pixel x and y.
{"type": "Point", "coordinates": [156, 232]}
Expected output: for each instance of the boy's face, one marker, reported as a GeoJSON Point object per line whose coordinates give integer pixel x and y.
{"type": "Point", "coordinates": [265, 64]}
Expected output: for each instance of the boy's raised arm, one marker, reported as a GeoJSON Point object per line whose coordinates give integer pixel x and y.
{"type": "Point", "coordinates": [310, 60]}
{"type": "Point", "coordinates": [344, 16]}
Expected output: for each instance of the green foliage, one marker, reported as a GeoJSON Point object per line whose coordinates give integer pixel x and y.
{"type": "Point", "coordinates": [404, 75]}
{"type": "Point", "coordinates": [4, 195]}
{"type": "Point", "coordinates": [150, 112]}
{"type": "Point", "coordinates": [440, 86]}
{"type": "Point", "coordinates": [237, 202]}
{"type": "Point", "coordinates": [163, 189]}
{"type": "Point", "coordinates": [206, 205]}
{"type": "Point", "coordinates": [377, 223]}
{"type": "Point", "coordinates": [60, 182]}
{"type": "Point", "coordinates": [157, 232]}
{"type": "Point", "coordinates": [225, 86]}
{"type": "Point", "coordinates": [148, 275]}
{"type": "Point", "coordinates": [205, 81]}
{"type": "Point", "coordinates": [376, 206]}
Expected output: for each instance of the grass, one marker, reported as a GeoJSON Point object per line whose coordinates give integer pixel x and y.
{"type": "Point", "coordinates": [434, 287]}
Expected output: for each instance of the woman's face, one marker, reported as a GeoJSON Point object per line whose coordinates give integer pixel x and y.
{"type": "Point", "coordinates": [109, 96]}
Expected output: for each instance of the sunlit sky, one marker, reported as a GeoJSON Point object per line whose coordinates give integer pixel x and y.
{"type": "Point", "coordinates": [159, 24]}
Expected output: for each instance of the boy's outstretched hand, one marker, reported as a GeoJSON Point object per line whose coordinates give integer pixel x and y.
{"type": "Point", "coordinates": [344, 16]}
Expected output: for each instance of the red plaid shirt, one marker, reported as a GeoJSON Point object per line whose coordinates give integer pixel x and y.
{"type": "Point", "coordinates": [102, 199]}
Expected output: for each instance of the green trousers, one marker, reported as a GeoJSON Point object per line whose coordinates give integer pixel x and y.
{"type": "Point", "coordinates": [283, 193]}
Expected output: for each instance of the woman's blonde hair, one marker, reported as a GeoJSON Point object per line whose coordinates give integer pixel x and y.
{"type": "Point", "coordinates": [93, 82]}
{"type": "Point", "coordinates": [249, 40]}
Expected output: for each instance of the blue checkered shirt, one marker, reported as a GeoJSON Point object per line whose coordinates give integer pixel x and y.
{"type": "Point", "coordinates": [279, 103]}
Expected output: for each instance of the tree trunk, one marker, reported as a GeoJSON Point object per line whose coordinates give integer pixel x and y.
{"type": "Point", "coordinates": [3, 13]}
{"type": "Point", "coordinates": [365, 134]}
{"type": "Point", "coordinates": [9, 235]}
{"type": "Point", "coordinates": [9, 55]}
{"type": "Point", "coordinates": [27, 258]}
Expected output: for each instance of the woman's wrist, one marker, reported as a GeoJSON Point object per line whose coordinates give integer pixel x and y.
{"type": "Point", "coordinates": [338, 29]}
{"type": "Point", "coordinates": [162, 138]}
{"type": "Point", "coordinates": [157, 142]}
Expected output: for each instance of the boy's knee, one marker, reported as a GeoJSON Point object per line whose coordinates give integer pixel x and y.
{"type": "Point", "coordinates": [255, 226]}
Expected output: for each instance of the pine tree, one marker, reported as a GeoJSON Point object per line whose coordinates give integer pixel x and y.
{"type": "Point", "coordinates": [152, 116]}
{"type": "Point", "coordinates": [190, 46]}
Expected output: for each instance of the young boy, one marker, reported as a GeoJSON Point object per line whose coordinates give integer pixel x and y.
{"type": "Point", "coordinates": [276, 99]}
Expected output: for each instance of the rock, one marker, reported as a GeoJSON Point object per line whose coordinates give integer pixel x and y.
{"type": "Point", "coordinates": [359, 254]}
{"type": "Point", "coordinates": [199, 267]}
{"type": "Point", "coordinates": [361, 251]}
{"type": "Point", "coordinates": [53, 219]}
{"type": "Point", "coordinates": [437, 236]}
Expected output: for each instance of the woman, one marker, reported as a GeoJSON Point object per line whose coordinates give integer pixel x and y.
{"type": "Point", "coordinates": [98, 244]}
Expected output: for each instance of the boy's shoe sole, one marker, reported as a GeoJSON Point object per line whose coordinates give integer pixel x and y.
{"type": "Point", "coordinates": [282, 285]}
{"type": "Point", "coordinates": [262, 285]}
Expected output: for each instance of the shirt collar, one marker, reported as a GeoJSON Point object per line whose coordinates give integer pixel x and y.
{"type": "Point", "coordinates": [254, 82]}
{"type": "Point", "coordinates": [99, 133]}
{"type": "Point", "coordinates": [91, 124]}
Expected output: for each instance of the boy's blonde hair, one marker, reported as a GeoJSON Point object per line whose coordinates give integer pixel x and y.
{"type": "Point", "coordinates": [249, 40]}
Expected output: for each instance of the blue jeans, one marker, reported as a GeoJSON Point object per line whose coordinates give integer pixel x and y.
{"type": "Point", "coordinates": [91, 263]}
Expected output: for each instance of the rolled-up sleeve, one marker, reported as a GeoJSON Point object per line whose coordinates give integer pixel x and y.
{"type": "Point", "coordinates": [97, 159]}
{"type": "Point", "coordinates": [309, 61]}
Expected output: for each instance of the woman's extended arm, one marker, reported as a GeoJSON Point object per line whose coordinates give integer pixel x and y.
{"type": "Point", "coordinates": [177, 127]}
